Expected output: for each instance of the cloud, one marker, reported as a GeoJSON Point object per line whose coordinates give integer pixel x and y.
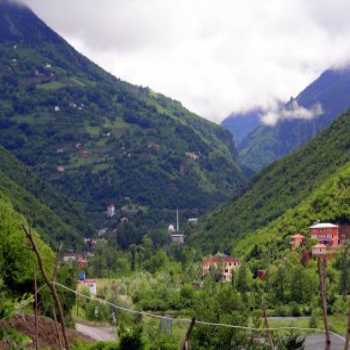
{"type": "Point", "coordinates": [215, 57]}
{"type": "Point", "coordinates": [291, 111]}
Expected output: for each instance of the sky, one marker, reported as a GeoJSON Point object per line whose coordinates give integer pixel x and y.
{"type": "Point", "coordinates": [216, 57]}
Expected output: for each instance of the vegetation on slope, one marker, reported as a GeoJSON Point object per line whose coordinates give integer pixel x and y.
{"type": "Point", "coordinates": [101, 140]}
{"type": "Point", "coordinates": [330, 202]}
{"type": "Point", "coordinates": [50, 212]}
{"type": "Point", "coordinates": [280, 187]}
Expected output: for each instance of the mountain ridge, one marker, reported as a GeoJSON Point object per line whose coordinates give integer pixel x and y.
{"type": "Point", "coordinates": [103, 141]}
{"type": "Point", "coordinates": [278, 188]}
{"type": "Point", "coordinates": [266, 144]}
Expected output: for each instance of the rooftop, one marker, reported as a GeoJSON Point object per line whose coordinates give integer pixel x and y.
{"type": "Point", "coordinates": [324, 225]}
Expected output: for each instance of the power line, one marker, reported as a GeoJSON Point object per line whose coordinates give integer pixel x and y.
{"type": "Point", "coordinates": [184, 320]}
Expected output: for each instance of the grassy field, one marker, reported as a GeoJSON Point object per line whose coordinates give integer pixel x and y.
{"type": "Point", "coordinates": [337, 323]}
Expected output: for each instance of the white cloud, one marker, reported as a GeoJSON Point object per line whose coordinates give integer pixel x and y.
{"type": "Point", "coordinates": [215, 57]}
{"type": "Point", "coordinates": [291, 111]}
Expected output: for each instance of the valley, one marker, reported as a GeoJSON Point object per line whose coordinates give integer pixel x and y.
{"type": "Point", "coordinates": [128, 222]}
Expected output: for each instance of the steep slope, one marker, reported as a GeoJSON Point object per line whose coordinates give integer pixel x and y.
{"type": "Point", "coordinates": [280, 187]}
{"type": "Point", "coordinates": [51, 213]}
{"type": "Point", "coordinates": [242, 124]}
{"type": "Point", "coordinates": [268, 143]}
{"type": "Point", "coordinates": [329, 202]}
{"type": "Point", "coordinates": [103, 141]}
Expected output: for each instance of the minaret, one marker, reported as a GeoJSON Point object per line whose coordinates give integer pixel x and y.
{"type": "Point", "coordinates": [176, 236]}
{"type": "Point", "coordinates": [177, 221]}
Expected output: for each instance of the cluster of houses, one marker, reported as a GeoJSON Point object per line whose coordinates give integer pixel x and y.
{"type": "Point", "coordinates": [329, 238]}
{"type": "Point", "coordinates": [222, 264]}
{"type": "Point", "coordinates": [81, 260]}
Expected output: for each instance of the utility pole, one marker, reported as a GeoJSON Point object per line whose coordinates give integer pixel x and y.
{"type": "Point", "coordinates": [267, 327]}
{"type": "Point", "coordinates": [36, 309]}
{"type": "Point", "coordinates": [347, 339]}
{"type": "Point", "coordinates": [321, 264]}
{"type": "Point", "coordinates": [186, 344]}
{"type": "Point", "coordinates": [51, 286]}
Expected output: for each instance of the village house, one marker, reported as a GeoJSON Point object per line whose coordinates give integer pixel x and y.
{"type": "Point", "coordinates": [69, 257]}
{"type": "Point", "coordinates": [192, 156]}
{"type": "Point", "coordinates": [111, 210]}
{"type": "Point", "coordinates": [297, 240]}
{"type": "Point", "coordinates": [90, 243]}
{"type": "Point", "coordinates": [193, 221]}
{"type": "Point", "coordinates": [325, 233]}
{"type": "Point", "coordinates": [222, 263]}
{"type": "Point", "coordinates": [261, 274]}
{"type": "Point", "coordinates": [75, 258]}
{"type": "Point", "coordinates": [319, 250]}
{"type": "Point", "coordinates": [90, 284]}
{"type": "Point", "coordinates": [82, 262]}
{"type": "Point", "coordinates": [177, 238]}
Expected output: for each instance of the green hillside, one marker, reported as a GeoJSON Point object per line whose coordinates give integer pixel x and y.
{"type": "Point", "coordinates": [101, 140]}
{"type": "Point", "coordinates": [16, 260]}
{"type": "Point", "coordinates": [280, 187]}
{"type": "Point", "coordinates": [52, 214]}
{"type": "Point", "coordinates": [330, 202]}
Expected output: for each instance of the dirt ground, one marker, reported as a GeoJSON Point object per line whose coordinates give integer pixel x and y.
{"type": "Point", "coordinates": [47, 332]}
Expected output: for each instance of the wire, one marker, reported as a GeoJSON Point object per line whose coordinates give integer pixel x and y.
{"type": "Point", "coordinates": [184, 320]}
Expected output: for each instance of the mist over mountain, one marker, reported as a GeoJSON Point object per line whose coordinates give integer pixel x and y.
{"type": "Point", "coordinates": [288, 127]}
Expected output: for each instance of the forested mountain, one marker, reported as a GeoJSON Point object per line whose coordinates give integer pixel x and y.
{"type": "Point", "coordinates": [281, 187]}
{"type": "Point", "coordinates": [242, 124]}
{"type": "Point", "coordinates": [100, 140]}
{"type": "Point", "coordinates": [265, 144]}
{"type": "Point", "coordinates": [51, 213]}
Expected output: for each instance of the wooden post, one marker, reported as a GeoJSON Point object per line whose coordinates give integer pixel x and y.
{"type": "Point", "coordinates": [186, 344]}
{"type": "Point", "coordinates": [347, 338]}
{"type": "Point", "coordinates": [57, 331]}
{"type": "Point", "coordinates": [36, 310]}
{"type": "Point", "coordinates": [321, 264]}
{"type": "Point", "coordinates": [54, 279]}
{"type": "Point", "coordinates": [51, 285]}
{"type": "Point", "coordinates": [267, 327]}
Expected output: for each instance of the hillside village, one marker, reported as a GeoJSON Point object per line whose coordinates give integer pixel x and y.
{"type": "Point", "coordinates": [128, 222]}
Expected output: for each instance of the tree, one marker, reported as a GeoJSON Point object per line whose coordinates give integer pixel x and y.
{"type": "Point", "coordinates": [343, 265]}
{"type": "Point", "coordinates": [243, 279]}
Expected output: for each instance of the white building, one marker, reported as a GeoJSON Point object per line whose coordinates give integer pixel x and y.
{"type": "Point", "coordinates": [111, 210]}
{"type": "Point", "coordinates": [90, 284]}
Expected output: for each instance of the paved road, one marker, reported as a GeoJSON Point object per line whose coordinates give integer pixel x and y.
{"type": "Point", "coordinates": [316, 342]}
{"type": "Point", "coordinates": [97, 333]}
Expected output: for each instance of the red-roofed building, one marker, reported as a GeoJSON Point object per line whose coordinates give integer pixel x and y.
{"type": "Point", "coordinates": [225, 264]}
{"type": "Point", "coordinates": [261, 274]}
{"type": "Point", "coordinates": [82, 262]}
{"type": "Point", "coordinates": [297, 240]}
{"type": "Point", "coordinates": [326, 233]}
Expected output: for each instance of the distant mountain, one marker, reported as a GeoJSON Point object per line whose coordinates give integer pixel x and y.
{"type": "Point", "coordinates": [306, 175]}
{"type": "Point", "coordinates": [266, 143]}
{"type": "Point", "coordinates": [241, 124]}
{"type": "Point", "coordinates": [102, 141]}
